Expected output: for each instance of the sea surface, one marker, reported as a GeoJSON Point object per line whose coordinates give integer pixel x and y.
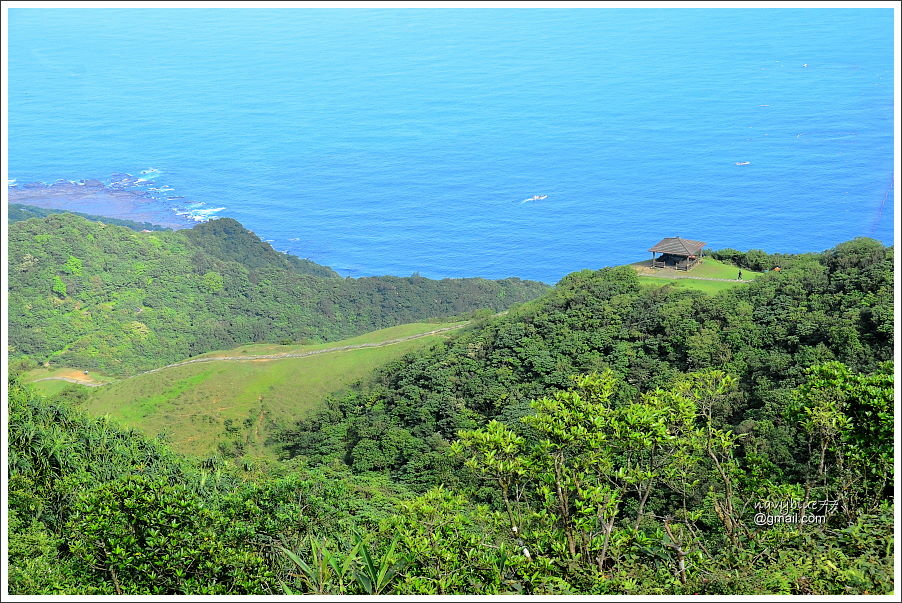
{"type": "Point", "coordinates": [394, 141]}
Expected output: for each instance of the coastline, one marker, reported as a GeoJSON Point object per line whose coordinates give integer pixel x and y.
{"type": "Point", "coordinates": [94, 197]}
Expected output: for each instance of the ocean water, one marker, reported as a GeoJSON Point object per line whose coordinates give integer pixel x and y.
{"type": "Point", "coordinates": [393, 141]}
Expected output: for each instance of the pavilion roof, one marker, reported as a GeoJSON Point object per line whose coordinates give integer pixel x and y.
{"type": "Point", "coordinates": [678, 246]}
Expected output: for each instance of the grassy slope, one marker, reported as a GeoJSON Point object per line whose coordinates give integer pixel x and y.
{"type": "Point", "coordinates": [191, 403]}
{"type": "Point", "coordinates": [379, 336]}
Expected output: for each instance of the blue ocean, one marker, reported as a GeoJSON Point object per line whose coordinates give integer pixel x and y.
{"type": "Point", "coordinates": [394, 141]}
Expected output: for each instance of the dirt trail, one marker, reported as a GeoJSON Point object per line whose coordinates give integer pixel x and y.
{"type": "Point", "coordinates": [271, 356]}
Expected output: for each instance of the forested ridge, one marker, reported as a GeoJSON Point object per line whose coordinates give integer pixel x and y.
{"type": "Point", "coordinates": [99, 296]}
{"type": "Point", "coordinates": [819, 308]}
{"type": "Point", "coordinates": [20, 211]}
{"type": "Point", "coordinates": [602, 439]}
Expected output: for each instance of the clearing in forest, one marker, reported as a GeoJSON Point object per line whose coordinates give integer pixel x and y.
{"type": "Point", "coordinates": [231, 405]}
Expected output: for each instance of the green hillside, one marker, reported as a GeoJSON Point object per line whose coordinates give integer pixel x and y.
{"type": "Point", "coordinates": [227, 241]}
{"type": "Point", "coordinates": [96, 296]}
{"type": "Point", "coordinates": [96, 509]}
{"type": "Point", "coordinates": [604, 439]}
{"type": "Point", "coordinates": [834, 306]}
{"type": "Point", "coordinates": [233, 406]}
{"type": "Point", "coordinates": [19, 211]}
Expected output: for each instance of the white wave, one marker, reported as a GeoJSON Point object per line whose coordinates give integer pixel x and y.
{"type": "Point", "coordinates": [194, 217]}
{"type": "Point", "coordinates": [194, 212]}
{"type": "Point", "coordinates": [148, 174]}
{"type": "Point", "coordinates": [206, 212]}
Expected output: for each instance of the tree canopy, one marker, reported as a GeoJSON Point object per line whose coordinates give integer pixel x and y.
{"type": "Point", "coordinates": [98, 296]}
{"type": "Point", "coordinates": [604, 438]}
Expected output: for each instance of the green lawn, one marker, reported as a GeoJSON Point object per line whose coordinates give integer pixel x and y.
{"type": "Point", "coordinates": [708, 268]}
{"type": "Point", "coordinates": [711, 268]}
{"type": "Point", "coordinates": [51, 388]}
{"type": "Point", "coordinates": [710, 287]}
{"type": "Point", "coordinates": [192, 403]}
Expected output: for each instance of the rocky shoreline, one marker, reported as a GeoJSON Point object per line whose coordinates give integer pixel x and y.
{"type": "Point", "coordinates": [95, 197]}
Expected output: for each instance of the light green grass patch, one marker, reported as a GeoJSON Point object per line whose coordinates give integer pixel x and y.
{"type": "Point", "coordinates": [405, 330]}
{"type": "Point", "coordinates": [147, 406]}
{"type": "Point", "coordinates": [711, 268]}
{"type": "Point", "coordinates": [710, 287]}
{"type": "Point", "coordinates": [708, 268]}
{"type": "Point", "coordinates": [51, 388]}
{"type": "Point", "coordinates": [192, 403]}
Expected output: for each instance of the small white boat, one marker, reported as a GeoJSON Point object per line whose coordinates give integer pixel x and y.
{"type": "Point", "coordinates": [535, 198]}
{"type": "Point", "coordinates": [743, 162]}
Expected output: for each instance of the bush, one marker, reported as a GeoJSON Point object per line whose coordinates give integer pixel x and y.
{"type": "Point", "coordinates": [149, 537]}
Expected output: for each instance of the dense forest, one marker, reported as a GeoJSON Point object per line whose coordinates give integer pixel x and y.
{"type": "Point", "coordinates": [819, 308]}
{"type": "Point", "coordinates": [100, 296]}
{"type": "Point", "coordinates": [605, 438]}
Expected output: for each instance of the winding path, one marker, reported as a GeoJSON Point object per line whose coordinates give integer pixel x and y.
{"type": "Point", "coordinates": [342, 348]}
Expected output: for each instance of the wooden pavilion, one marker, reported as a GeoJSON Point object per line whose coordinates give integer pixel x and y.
{"type": "Point", "coordinates": [676, 253]}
